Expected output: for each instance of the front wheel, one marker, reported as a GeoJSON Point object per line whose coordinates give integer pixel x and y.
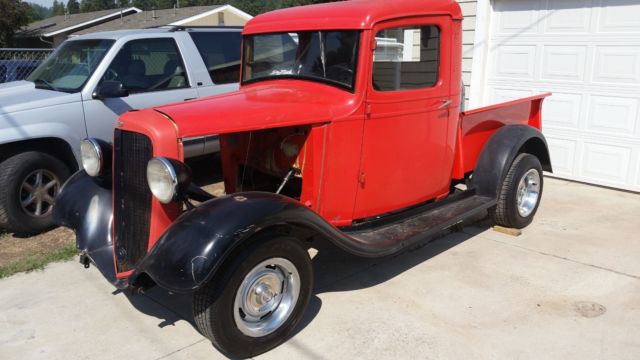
{"type": "Point", "coordinates": [258, 299]}
{"type": "Point", "coordinates": [520, 193]}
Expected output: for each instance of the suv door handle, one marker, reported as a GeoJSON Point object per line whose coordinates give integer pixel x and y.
{"type": "Point", "coordinates": [445, 103]}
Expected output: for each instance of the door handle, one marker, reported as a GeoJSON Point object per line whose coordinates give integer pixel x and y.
{"type": "Point", "coordinates": [187, 99]}
{"type": "Point", "coordinates": [445, 103]}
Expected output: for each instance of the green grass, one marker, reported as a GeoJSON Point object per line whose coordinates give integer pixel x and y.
{"type": "Point", "coordinates": [38, 262]}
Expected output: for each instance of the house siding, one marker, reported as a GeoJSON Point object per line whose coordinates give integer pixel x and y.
{"type": "Point", "coordinates": [468, 33]}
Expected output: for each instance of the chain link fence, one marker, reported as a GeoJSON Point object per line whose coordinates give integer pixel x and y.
{"type": "Point", "coordinates": [17, 64]}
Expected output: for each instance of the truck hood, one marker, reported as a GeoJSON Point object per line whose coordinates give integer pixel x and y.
{"type": "Point", "coordinates": [267, 105]}
{"type": "Point", "coordinates": [22, 95]}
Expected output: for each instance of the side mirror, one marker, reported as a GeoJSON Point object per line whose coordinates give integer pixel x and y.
{"type": "Point", "coordinates": [110, 89]}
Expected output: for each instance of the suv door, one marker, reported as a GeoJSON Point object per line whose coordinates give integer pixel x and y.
{"type": "Point", "coordinates": [405, 130]}
{"type": "Point", "coordinates": [220, 51]}
{"type": "Point", "coordinates": [154, 73]}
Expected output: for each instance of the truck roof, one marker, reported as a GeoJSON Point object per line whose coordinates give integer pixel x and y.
{"type": "Point", "coordinates": [355, 14]}
{"type": "Point", "coordinates": [117, 34]}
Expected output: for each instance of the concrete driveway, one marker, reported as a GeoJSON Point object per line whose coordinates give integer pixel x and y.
{"type": "Point", "coordinates": [568, 288]}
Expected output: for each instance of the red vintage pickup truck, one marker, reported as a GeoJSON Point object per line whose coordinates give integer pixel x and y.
{"type": "Point", "coordinates": [347, 127]}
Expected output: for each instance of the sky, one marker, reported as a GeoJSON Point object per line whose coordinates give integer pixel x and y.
{"type": "Point", "coordinates": [47, 3]}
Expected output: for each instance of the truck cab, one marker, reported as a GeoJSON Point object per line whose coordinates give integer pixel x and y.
{"type": "Point", "coordinates": [346, 127]}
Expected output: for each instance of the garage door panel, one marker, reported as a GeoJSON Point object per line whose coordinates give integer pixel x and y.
{"type": "Point", "coordinates": [516, 16]}
{"type": "Point", "coordinates": [567, 16]}
{"type": "Point", "coordinates": [562, 110]}
{"type": "Point", "coordinates": [617, 64]}
{"type": "Point", "coordinates": [507, 94]}
{"type": "Point", "coordinates": [587, 52]}
{"type": "Point", "coordinates": [619, 16]}
{"type": "Point", "coordinates": [613, 115]}
{"type": "Point", "coordinates": [605, 163]}
{"type": "Point", "coordinates": [515, 62]}
{"type": "Point", "coordinates": [563, 153]}
{"type": "Point", "coordinates": [564, 63]}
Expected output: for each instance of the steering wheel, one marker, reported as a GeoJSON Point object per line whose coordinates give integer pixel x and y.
{"type": "Point", "coordinates": [110, 74]}
{"type": "Point", "coordinates": [340, 72]}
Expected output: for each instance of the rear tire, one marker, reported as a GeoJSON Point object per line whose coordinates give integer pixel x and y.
{"type": "Point", "coordinates": [258, 298]}
{"type": "Point", "coordinates": [29, 183]}
{"type": "Point", "coordinates": [520, 193]}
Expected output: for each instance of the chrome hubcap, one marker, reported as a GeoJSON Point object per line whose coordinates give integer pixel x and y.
{"type": "Point", "coordinates": [38, 192]}
{"type": "Point", "coordinates": [267, 296]}
{"type": "Point", "coordinates": [528, 192]}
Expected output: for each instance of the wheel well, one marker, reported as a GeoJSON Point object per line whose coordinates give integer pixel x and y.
{"type": "Point", "coordinates": [536, 146]}
{"type": "Point", "coordinates": [53, 146]}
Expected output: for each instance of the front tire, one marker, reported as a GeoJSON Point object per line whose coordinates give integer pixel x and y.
{"type": "Point", "coordinates": [520, 193]}
{"type": "Point", "coordinates": [258, 298]}
{"type": "Point", "coordinates": [29, 183]}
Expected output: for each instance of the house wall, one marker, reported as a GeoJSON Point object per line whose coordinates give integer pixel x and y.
{"type": "Point", "coordinates": [468, 33]}
{"type": "Point", "coordinates": [230, 19]}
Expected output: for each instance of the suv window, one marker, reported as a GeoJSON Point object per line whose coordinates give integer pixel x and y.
{"type": "Point", "coordinates": [406, 58]}
{"type": "Point", "coordinates": [148, 65]}
{"type": "Point", "coordinates": [221, 54]}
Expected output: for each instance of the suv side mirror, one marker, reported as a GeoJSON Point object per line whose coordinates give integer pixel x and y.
{"type": "Point", "coordinates": [110, 89]}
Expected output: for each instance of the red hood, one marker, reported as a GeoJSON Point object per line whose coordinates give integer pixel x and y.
{"type": "Point", "coordinates": [261, 106]}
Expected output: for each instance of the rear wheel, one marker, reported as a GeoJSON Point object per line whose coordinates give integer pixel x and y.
{"type": "Point", "coordinates": [258, 299]}
{"type": "Point", "coordinates": [29, 183]}
{"type": "Point", "coordinates": [520, 193]}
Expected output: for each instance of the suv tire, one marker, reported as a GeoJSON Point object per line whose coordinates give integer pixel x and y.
{"type": "Point", "coordinates": [29, 182]}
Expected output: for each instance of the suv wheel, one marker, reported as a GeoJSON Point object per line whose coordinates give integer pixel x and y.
{"type": "Point", "coordinates": [258, 299]}
{"type": "Point", "coordinates": [29, 183]}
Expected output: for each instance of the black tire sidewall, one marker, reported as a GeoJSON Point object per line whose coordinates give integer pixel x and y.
{"type": "Point", "coordinates": [22, 165]}
{"type": "Point", "coordinates": [527, 162]}
{"type": "Point", "coordinates": [231, 340]}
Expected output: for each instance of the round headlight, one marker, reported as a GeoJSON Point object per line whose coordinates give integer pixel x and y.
{"type": "Point", "coordinates": [163, 179]}
{"type": "Point", "coordinates": [92, 157]}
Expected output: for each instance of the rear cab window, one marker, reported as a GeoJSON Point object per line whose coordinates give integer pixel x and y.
{"type": "Point", "coordinates": [220, 52]}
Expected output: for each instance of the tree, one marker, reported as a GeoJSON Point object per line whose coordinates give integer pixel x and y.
{"type": "Point", "coordinates": [58, 8]}
{"type": "Point", "coordinates": [38, 12]}
{"type": "Point", "coordinates": [96, 5]}
{"type": "Point", "coordinates": [15, 14]}
{"type": "Point", "coordinates": [73, 6]}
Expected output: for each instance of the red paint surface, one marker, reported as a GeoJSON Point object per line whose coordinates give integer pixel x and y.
{"type": "Point", "coordinates": [348, 15]}
{"type": "Point", "coordinates": [365, 152]}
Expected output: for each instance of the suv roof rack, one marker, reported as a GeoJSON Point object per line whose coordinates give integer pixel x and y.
{"type": "Point", "coordinates": [173, 28]}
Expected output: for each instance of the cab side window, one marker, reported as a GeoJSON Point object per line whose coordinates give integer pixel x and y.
{"type": "Point", "coordinates": [406, 58]}
{"type": "Point", "coordinates": [148, 65]}
{"type": "Point", "coordinates": [221, 54]}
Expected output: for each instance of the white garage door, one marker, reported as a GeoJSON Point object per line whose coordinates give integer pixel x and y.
{"type": "Point", "coordinates": [587, 52]}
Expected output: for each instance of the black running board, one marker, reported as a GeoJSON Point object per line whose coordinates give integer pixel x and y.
{"type": "Point", "coordinates": [391, 237]}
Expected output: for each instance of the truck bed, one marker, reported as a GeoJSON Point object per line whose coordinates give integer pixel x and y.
{"type": "Point", "coordinates": [477, 125]}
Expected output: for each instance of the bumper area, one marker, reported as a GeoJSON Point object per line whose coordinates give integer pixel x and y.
{"type": "Point", "coordinates": [86, 207]}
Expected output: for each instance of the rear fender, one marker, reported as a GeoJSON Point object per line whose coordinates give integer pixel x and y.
{"type": "Point", "coordinates": [499, 152]}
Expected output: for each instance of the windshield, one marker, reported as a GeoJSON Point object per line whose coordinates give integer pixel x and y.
{"type": "Point", "coordinates": [327, 56]}
{"type": "Point", "coordinates": [69, 67]}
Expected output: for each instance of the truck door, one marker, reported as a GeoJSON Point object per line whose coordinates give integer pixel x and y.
{"type": "Point", "coordinates": [405, 132]}
{"type": "Point", "coordinates": [153, 72]}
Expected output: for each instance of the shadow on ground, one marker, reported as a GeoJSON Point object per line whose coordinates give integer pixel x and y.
{"type": "Point", "coordinates": [335, 271]}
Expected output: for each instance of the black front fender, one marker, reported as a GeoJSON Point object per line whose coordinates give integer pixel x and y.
{"type": "Point", "coordinates": [84, 206]}
{"type": "Point", "coordinates": [189, 253]}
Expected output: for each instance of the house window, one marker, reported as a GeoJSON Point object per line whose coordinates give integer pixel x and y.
{"type": "Point", "coordinates": [406, 58]}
